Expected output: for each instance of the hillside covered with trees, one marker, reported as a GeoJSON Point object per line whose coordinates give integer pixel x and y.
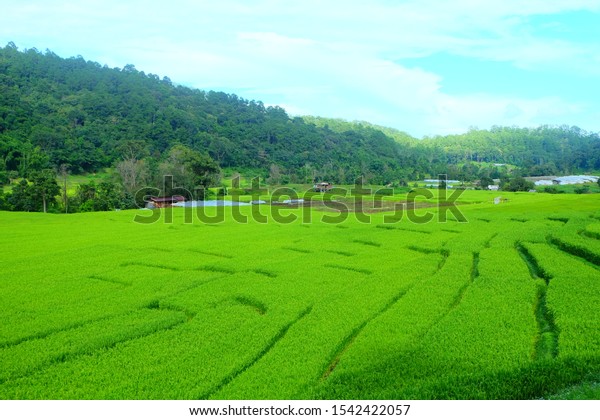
{"type": "Point", "coordinates": [540, 151]}
{"type": "Point", "coordinates": [84, 115]}
{"type": "Point", "coordinates": [73, 116]}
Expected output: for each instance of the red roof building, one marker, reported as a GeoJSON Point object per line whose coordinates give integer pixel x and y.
{"type": "Point", "coordinates": [166, 201]}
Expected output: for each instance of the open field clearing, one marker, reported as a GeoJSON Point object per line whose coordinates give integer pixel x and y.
{"type": "Point", "coordinates": [504, 306]}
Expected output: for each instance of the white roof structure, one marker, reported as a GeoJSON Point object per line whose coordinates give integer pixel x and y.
{"type": "Point", "coordinates": [436, 181]}
{"type": "Point", "coordinates": [568, 180]}
{"type": "Point", "coordinates": [575, 179]}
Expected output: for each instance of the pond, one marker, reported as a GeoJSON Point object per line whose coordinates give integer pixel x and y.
{"type": "Point", "coordinates": [210, 203]}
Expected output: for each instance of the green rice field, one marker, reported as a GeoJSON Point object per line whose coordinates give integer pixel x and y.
{"type": "Point", "coordinates": [503, 306]}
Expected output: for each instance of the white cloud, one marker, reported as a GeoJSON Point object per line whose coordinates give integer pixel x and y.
{"type": "Point", "coordinates": [457, 113]}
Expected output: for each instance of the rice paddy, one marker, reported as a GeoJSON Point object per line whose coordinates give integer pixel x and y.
{"type": "Point", "coordinates": [503, 306]}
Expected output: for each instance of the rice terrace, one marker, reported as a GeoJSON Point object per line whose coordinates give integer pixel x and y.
{"type": "Point", "coordinates": [505, 305]}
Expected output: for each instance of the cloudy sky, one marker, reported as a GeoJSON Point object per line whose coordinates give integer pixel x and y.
{"type": "Point", "coordinates": [423, 66]}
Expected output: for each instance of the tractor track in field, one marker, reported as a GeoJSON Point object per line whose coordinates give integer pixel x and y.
{"type": "Point", "coordinates": [423, 250]}
{"type": "Point", "coordinates": [349, 339]}
{"type": "Point", "coordinates": [149, 265]}
{"type": "Point", "coordinates": [295, 249]}
{"type": "Point", "coordinates": [110, 280]}
{"type": "Point", "coordinates": [475, 267]}
{"type": "Point", "coordinates": [563, 220]}
{"type": "Point", "coordinates": [251, 303]}
{"type": "Point", "coordinates": [68, 356]}
{"type": "Point", "coordinates": [210, 254]}
{"type": "Point", "coordinates": [403, 229]}
{"type": "Point", "coordinates": [367, 243]}
{"type": "Point", "coordinates": [546, 342]}
{"type": "Point", "coordinates": [47, 333]}
{"type": "Point", "coordinates": [451, 230]}
{"type": "Point", "coordinates": [263, 272]}
{"type": "Point", "coordinates": [348, 268]}
{"type": "Point", "coordinates": [343, 253]}
{"type": "Point", "coordinates": [197, 284]}
{"type": "Point", "coordinates": [213, 268]}
{"type": "Point", "coordinates": [463, 289]}
{"type": "Point", "coordinates": [488, 243]}
{"type": "Point", "coordinates": [578, 252]}
{"type": "Point", "coordinates": [157, 249]}
{"type": "Point", "coordinates": [591, 235]}
{"type": "Point", "coordinates": [474, 274]}
{"type": "Point", "coordinates": [278, 337]}
{"type": "Point", "coordinates": [443, 252]}
{"type": "Point", "coordinates": [460, 294]}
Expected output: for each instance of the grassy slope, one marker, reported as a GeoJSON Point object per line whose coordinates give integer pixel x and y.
{"type": "Point", "coordinates": [98, 306]}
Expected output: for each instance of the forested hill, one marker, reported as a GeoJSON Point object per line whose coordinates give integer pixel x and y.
{"type": "Point", "coordinates": [84, 116]}
{"type": "Point", "coordinates": [537, 151]}
{"type": "Point", "coordinates": [544, 150]}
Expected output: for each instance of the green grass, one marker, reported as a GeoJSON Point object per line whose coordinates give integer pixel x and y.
{"type": "Point", "coordinates": [588, 187]}
{"type": "Point", "coordinates": [74, 181]}
{"type": "Point", "coordinates": [504, 306]}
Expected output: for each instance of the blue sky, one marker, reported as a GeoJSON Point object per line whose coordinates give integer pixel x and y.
{"type": "Point", "coordinates": [423, 66]}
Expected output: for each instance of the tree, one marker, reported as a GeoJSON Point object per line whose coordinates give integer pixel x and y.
{"type": "Point", "coordinates": [133, 173]}
{"type": "Point", "coordinates": [3, 201]}
{"type": "Point", "coordinates": [33, 160]}
{"type": "Point", "coordinates": [21, 197]}
{"type": "Point", "coordinates": [86, 195]}
{"type": "Point", "coordinates": [64, 173]}
{"type": "Point", "coordinates": [582, 189]}
{"type": "Point", "coordinates": [190, 170]}
{"type": "Point", "coordinates": [107, 197]}
{"type": "Point", "coordinates": [45, 187]}
{"type": "Point", "coordinates": [274, 175]}
{"type": "Point", "coordinates": [518, 184]}
{"type": "Point", "coordinates": [485, 181]}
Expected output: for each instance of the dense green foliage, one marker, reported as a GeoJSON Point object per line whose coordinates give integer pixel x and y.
{"type": "Point", "coordinates": [505, 306]}
{"type": "Point", "coordinates": [517, 184]}
{"type": "Point", "coordinates": [341, 126]}
{"type": "Point", "coordinates": [35, 196]}
{"type": "Point", "coordinates": [537, 151]}
{"type": "Point", "coordinates": [86, 116]}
